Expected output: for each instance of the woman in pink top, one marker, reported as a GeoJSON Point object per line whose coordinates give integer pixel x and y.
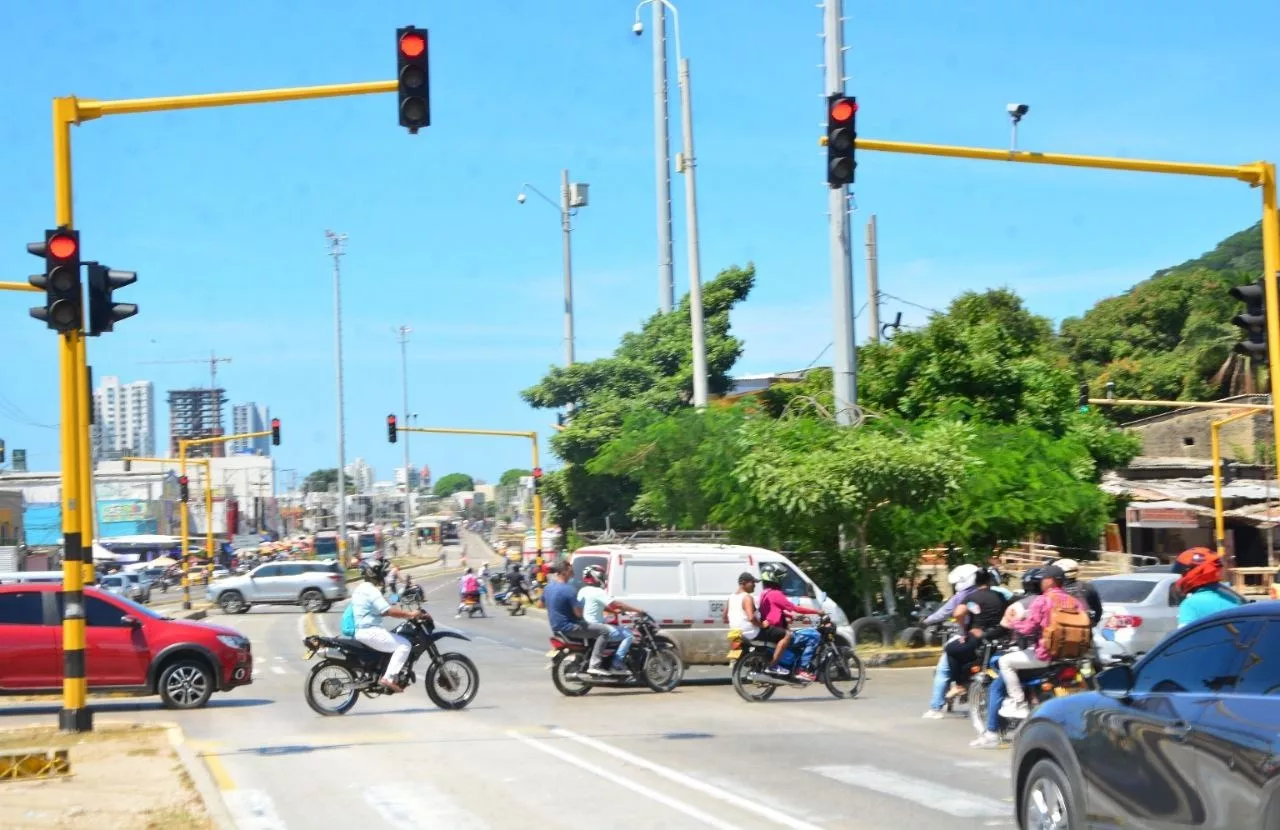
{"type": "Point", "coordinates": [775, 611]}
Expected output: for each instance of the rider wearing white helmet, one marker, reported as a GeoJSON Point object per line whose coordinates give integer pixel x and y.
{"type": "Point", "coordinates": [962, 579]}
{"type": "Point", "coordinates": [1084, 593]}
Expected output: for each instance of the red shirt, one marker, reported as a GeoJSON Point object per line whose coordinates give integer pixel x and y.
{"type": "Point", "coordinates": [774, 605]}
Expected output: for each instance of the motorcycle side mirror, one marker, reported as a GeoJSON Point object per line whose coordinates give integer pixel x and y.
{"type": "Point", "coordinates": [1116, 681]}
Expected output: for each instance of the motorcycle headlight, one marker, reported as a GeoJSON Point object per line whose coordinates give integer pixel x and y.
{"type": "Point", "coordinates": [234, 641]}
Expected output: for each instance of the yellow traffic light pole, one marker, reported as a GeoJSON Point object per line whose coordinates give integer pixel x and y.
{"type": "Point", "coordinates": [508, 433]}
{"type": "Point", "coordinates": [1260, 174]}
{"type": "Point", "coordinates": [1219, 519]}
{"type": "Point", "coordinates": [183, 520]}
{"type": "Point", "coordinates": [77, 471]}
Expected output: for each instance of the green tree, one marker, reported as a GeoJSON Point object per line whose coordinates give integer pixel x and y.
{"type": "Point", "coordinates": [324, 480]}
{"type": "Point", "coordinates": [651, 370]}
{"type": "Point", "coordinates": [452, 483]}
{"type": "Point", "coordinates": [512, 477]}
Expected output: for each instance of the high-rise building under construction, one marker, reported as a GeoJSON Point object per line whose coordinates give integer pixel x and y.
{"type": "Point", "coordinates": [196, 413]}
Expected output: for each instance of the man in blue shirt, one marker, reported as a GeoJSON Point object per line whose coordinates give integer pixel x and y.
{"type": "Point", "coordinates": [565, 615]}
{"type": "Point", "coordinates": [1201, 571]}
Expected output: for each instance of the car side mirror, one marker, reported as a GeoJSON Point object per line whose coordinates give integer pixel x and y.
{"type": "Point", "coordinates": [1116, 681]}
{"type": "Point", "coordinates": [131, 621]}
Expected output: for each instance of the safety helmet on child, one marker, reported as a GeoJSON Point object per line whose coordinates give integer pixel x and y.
{"type": "Point", "coordinates": [962, 574]}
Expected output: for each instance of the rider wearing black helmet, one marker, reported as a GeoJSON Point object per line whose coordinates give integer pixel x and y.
{"type": "Point", "coordinates": [775, 612]}
{"type": "Point", "coordinates": [369, 607]}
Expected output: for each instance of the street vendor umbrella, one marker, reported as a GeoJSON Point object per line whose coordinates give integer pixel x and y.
{"type": "Point", "coordinates": [162, 562]}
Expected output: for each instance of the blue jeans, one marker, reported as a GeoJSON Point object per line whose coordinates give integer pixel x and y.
{"type": "Point", "coordinates": [941, 680]}
{"type": "Point", "coordinates": [622, 635]}
{"type": "Point", "coordinates": [995, 696]}
{"type": "Point", "coordinates": [806, 640]}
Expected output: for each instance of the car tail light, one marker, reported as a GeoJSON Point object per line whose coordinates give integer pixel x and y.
{"type": "Point", "coordinates": [334, 578]}
{"type": "Point", "coordinates": [1116, 621]}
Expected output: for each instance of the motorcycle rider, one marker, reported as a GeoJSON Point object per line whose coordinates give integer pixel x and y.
{"type": "Point", "coordinates": [564, 615]}
{"type": "Point", "coordinates": [1084, 592]}
{"type": "Point", "coordinates": [775, 612]}
{"type": "Point", "coordinates": [595, 602]}
{"type": "Point", "coordinates": [1202, 593]}
{"type": "Point", "coordinates": [962, 579]}
{"type": "Point", "coordinates": [469, 589]}
{"type": "Point", "coordinates": [980, 614]}
{"type": "Point", "coordinates": [369, 607]}
{"type": "Point", "coordinates": [516, 585]}
{"type": "Point", "coordinates": [1033, 623]}
{"type": "Point", "coordinates": [990, 739]}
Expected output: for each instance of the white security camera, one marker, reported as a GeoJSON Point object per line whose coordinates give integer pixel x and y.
{"type": "Point", "coordinates": [1016, 111]}
{"type": "Point", "coordinates": [520, 198]}
{"type": "Point", "coordinates": [638, 28]}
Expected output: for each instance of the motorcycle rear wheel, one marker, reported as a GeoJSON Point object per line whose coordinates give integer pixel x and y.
{"type": "Point", "coordinates": [564, 669]}
{"type": "Point", "coordinates": [326, 698]}
{"type": "Point", "coordinates": [452, 681]}
{"type": "Point", "coordinates": [752, 662]}
{"type": "Point", "coordinates": [663, 669]}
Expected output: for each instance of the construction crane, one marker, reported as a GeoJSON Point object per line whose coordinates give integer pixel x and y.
{"type": "Point", "coordinates": [213, 360]}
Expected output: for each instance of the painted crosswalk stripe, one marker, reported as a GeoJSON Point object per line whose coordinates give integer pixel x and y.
{"type": "Point", "coordinates": [252, 810]}
{"type": "Point", "coordinates": [417, 805]}
{"type": "Point", "coordinates": [279, 669]}
{"type": "Point", "coordinates": [938, 797]}
{"type": "Point", "coordinates": [992, 768]}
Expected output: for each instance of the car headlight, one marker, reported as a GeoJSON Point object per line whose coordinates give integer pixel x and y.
{"type": "Point", "coordinates": [234, 641]}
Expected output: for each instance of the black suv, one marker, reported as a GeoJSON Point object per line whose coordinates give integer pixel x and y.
{"type": "Point", "coordinates": [1187, 737]}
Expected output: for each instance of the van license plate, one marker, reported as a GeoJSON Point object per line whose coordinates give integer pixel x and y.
{"type": "Point", "coordinates": [735, 654]}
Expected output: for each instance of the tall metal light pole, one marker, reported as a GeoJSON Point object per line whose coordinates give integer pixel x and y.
{"type": "Point", "coordinates": [845, 370]}
{"type": "Point", "coordinates": [572, 197]}
{"type": "Point", "coordinates": [408, 477]}
{"type": "Point", "coordinates": [662, 154]}
{"type": "Point", "coordinates": [336, 243]}
{"type": "Point", "coordinates": [687, 164]}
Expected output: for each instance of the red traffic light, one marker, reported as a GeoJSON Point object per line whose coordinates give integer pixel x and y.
{"type": "Point", "coordinates": [62, 246]}
{"type": "Point", "coordinates": [275, 423]}
{"type": "Point", "coordinates": [391, 420]}
{"type": "Point", "coordinates": [537, 472]}
{"type": "Point", "coordinates": [843, 109]}
{"type": "Point", "coordinates": [412, 45]}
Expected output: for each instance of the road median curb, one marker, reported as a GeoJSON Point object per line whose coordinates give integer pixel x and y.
{"type": "Point", "coordinates": [905, 658]}
{"type": "Point", "coordinates": [201, 778]}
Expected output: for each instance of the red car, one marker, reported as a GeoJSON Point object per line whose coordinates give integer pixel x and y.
{"type": "Point", "coordinates": [129, 648]}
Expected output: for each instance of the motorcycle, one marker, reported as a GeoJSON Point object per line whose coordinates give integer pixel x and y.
{"type": "Point", "coordinates": [1058, 679]}
{"type": "Point", "coordinates": [652, 661]}
{"type": "Point", "coordinates": [350, 668]}
{"type": "Point", "coordinates": [836, 665]}
{"type": "Point", "coordinates": [412, 597]}
{"type": "Point", "coordinates": [471, 606]}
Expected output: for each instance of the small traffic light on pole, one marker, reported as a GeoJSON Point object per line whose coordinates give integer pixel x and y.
{"type": "Point", "coordinates": [1084, 397]}
{"type": "Point", "coordinates": [184, 489]}
{"type": "Point", "coordinates": [412, 57]}
{"type": "Point", "coordinates": [842, 111]}
{"type": "Point", "coordinates": [275, 432]}
{"type": "Point", "coordinates": [104, 311]}
{"type": "Point", "coordinates": [1253, 320]}
{"type": "Point", "coordinates": [537, 478]}
{"type": "Point", "coordinates": [391, 428]}
{"type": "Point", "coordinates": [63, 309]}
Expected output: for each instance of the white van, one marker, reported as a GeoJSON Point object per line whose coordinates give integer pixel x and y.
{"type": "Point", "coordinates": [685, 586]}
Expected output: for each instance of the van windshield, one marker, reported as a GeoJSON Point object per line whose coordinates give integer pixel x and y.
{"type": "Point", "coordinates": [793, 584]}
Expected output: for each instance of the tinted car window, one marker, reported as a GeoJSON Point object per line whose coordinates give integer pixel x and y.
{"type": "Point", "coordinates": [292, 569]}
{"type": "Point", "coordinates": [1203, 661]}
{"type": "Point", "coordinates": [1260, 674]}
{"type": "Point", "coordinates": [101, 614]}
{"type": "Point", "coordinates": [21, 608]}
{"type": "Point", "coordinates": [268, 570]}
{"type": "Point", "coordinates": [1123, 590]}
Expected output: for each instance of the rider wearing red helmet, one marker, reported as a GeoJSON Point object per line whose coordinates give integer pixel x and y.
{"type": "Point", "coordinates": [1200, 585]}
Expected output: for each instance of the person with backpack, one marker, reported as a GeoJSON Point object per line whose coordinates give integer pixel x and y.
{"type": "Point", "coordinates": [1063, 631]}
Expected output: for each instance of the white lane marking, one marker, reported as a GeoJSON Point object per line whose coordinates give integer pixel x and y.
{"type": "Point", "coordinates": [938, 797]}
{"type": "Point", "coordinates": [279, 669]}
{"type": "Point", "coordinates": [990, 767]}
{"type": "Point", "coordinates": [279, 658]}
{"type": "Point", "coordinates": [640, 789]}
{"type": "Point", "coordinates": [252, 810]}
{"type": "Point", "coordinates": [485, 639]}
{"type": "Point", "coordinates": [776, 816]}
{"type": "Point", "coordinates": [259, 660]}
{"type": "Point", "coordinates": [536, 651]}
{"type": "Point", "coordinates": [413, 806]}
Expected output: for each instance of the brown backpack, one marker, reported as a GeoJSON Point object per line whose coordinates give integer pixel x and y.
{"type": "Point", "coordinates": [1068, 634]}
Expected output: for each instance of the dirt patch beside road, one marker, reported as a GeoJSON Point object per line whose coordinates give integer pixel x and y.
{"type": "Point", "coordinates": [123, 777]}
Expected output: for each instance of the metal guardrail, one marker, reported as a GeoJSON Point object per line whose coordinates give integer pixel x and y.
{"type": "Point", "coordinates": [640, 537]}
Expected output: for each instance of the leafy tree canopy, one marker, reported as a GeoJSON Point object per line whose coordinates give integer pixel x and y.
{"type": "Point", "coordinates": [512, 477]}
{"type": "Point", "coordinates": [322, 481]}
{"type": "Point", "coordinates": [452, 483]}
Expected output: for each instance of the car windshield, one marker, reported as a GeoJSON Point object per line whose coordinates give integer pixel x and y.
{"type": "Point", "coordinates": [1123, 590]}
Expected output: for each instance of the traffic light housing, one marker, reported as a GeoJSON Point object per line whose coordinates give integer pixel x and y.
{"type": "Point", "coordinates": [1, 452]}
{"type": "Point", "coordinates": [842, 112]}
{"type": "Point", "coordinates": [537, 478]}
{"type": "Point", "coordinates": [1083, 401]}
{"type": "Point", "coordinates": [391, 428]}
{"type": "Point", "coordinates": [184, 488]}
{"type": "Point", "coordinates": [1253, 321]}
{"type": "Point", "coordinates": [275, 432]}
{"type": "Point", "coordinates": [412, 58]}
{"type": "Point", "coordinates": [104, 311]}
{"type": "Point", "coordinates": [63, 309]}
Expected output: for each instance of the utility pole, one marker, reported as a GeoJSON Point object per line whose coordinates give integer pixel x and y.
{"type": "Point", "coordinates": [566, 227]}
{"type": "Point", "coordinates": [662, 153]}
{"type": "Point", "coordinates": [688, 166]}
{"type": "Point", "coordinates": [408, 476]}
{"type": "Point", "coordinates": [845, 371]}
{"type": "Point", "coordinates": [873, 282]}
{"type": "Point", "coordinates": [336, 243]}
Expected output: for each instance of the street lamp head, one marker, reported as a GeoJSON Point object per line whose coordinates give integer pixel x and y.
{"type": "Point", "coordinates": [520, 197]}
{"type": "Point", "coordinates": [637, 28]}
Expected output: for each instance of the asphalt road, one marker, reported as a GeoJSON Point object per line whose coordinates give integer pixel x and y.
{"type": "Point", "coordinates": [522, 755]}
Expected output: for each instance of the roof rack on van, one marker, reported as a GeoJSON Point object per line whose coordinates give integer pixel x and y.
{"type": "Point", "coordinates": [719, 537]}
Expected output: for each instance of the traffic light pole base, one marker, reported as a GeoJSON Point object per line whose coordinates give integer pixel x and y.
{"type": "Point", "coordinates": [75, 720]}
{"type": "Point", "coordinates": [186, 605]}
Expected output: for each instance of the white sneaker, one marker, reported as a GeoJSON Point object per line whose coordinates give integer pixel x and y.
{"type": "Point", "coordinates": [1014, 709]}
{"type": "Point", "coordinates": [597, 670]}
{"type": "Point", "coordinates": [934, 714]}
{"type": "Point", "coordinates": [988, 740]}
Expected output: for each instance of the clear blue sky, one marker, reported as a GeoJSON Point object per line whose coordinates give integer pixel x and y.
{"type": "Point", "coordinates": [222, 212]}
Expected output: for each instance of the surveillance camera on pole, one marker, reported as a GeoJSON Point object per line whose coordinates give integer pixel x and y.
{"type": "Point", "coordinates": [1016, 112]}
{"type": "Point", "coordinates": [637, 28]}
{"type": "Point", "coordinates": [520, 197]}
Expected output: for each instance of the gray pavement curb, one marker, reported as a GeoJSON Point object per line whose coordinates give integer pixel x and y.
{"type": "Point", "coordinates": [201, 778]}
{"type": "Point", "coordinates": [902, 659]}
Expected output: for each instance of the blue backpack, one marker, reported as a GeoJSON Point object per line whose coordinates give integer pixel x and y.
{"type": "Point", "coordinates": [349, 620]}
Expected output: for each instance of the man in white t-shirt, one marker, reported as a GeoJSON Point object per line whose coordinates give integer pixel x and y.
{"type": "Point", "coordinates": [740, 611]}
{"type": "Point", "coordinates": [595, 604]}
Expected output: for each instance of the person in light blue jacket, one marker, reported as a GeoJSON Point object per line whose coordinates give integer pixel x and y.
{"type": "Point", "coordinates": [962, 579]}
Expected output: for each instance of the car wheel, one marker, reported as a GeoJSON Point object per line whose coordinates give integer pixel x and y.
{"type": "Point", "coordinates": [185, 684]}
{"type": "Point", "coordinates": [312, 600]}
{"type": "Point", "coordinates": [1047, 799]}
{"type": "Point", "coordinates": [232, 603]}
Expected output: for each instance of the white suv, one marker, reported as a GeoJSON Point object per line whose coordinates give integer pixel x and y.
{"type": "Point", "coordinates": [313, 585]}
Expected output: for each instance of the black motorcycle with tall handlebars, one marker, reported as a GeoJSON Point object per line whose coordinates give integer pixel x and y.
{"type": "Point", "coordinates": [350, 668]}
{"type": "Point", "coordinates": [652, 661]}
{"type": "Point", "coordinates": [834, 663]}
